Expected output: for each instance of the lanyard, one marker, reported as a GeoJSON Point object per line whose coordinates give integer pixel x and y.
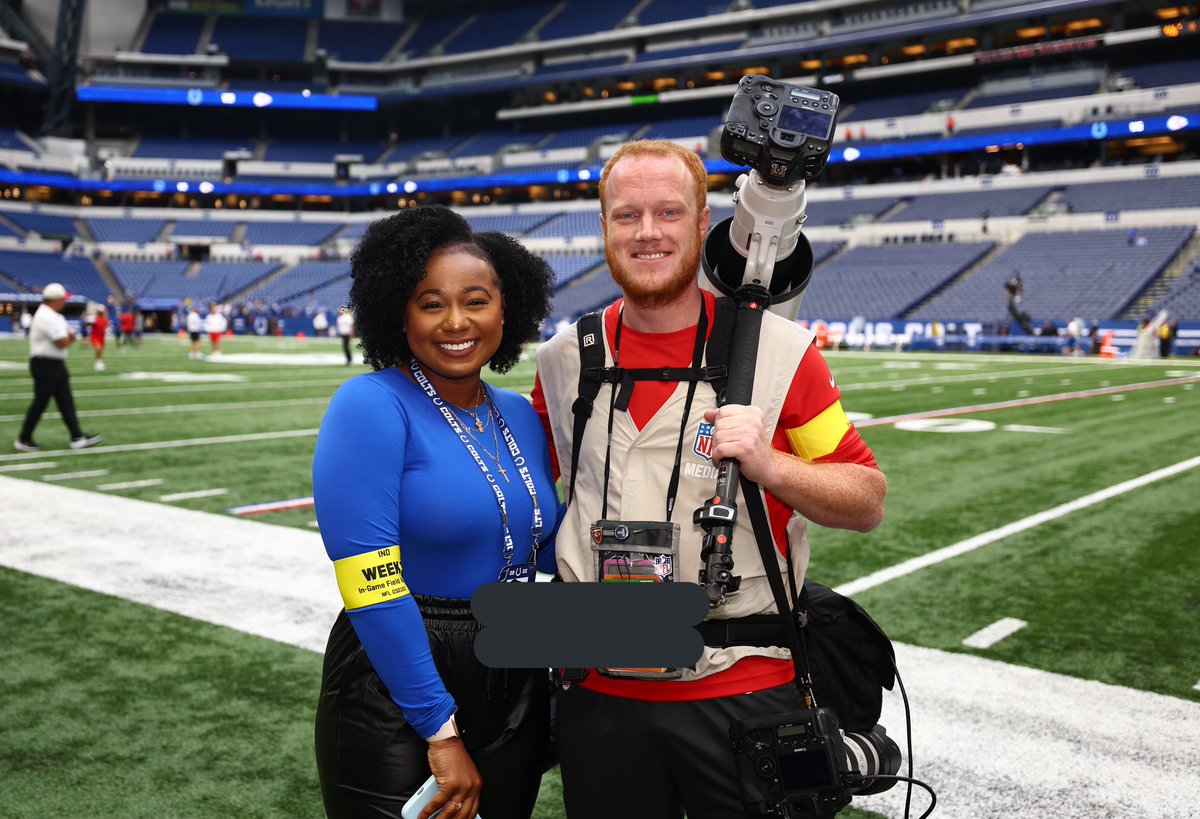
{"type": "Point", "coordinates": [537, 525]}
{"type": "Point", "coordinates": [697, 360]}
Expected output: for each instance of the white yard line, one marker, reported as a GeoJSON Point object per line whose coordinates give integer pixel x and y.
{"type": "Point", "coordinates": [996, 741]}
{"type": "Point", "coordinates": [70, 476]}
{"type": "Point", "coordinates": [174, 409]}
{"type": "Point", "coordinates": [108, 487]}
{"type": "Point", "coordinates": [1026, 402]}
{"type": "Point", "coordinates": [1016, 527]}
{"type": "Point", "coordinates": [168, 389]}
{"type": "Point", "coordinates": [152, 445]}
{"type": "Point", "coordinates": [997, 631]}
{"type": "Point", "coordinates": [28, 467]}
{"type": "Point", "coordinates": [197, 493]}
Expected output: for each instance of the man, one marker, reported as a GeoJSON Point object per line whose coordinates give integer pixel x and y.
{"type": "Point", "coordinates": [194, 326]}
{"type": "Point", "coordinates": [666, 741]}
{"type": "Point", "coordinates": [215, 324]}
{"type": "Point", "coordinates": [49, 342]}
{"type": "Point", "coordinates": [345, 329]}
{"type": "Point", "coordinates": [98, 335]}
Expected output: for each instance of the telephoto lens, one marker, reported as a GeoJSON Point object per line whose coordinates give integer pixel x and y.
{"type": "Point", "coordinates": [869, 754]}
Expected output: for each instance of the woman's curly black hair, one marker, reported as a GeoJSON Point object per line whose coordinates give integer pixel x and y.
{"type": "Point", "coordinates": [390, 261]}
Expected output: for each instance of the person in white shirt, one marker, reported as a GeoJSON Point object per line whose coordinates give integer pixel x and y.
{"type": "Point", "coordinates": [50, 339]}
{"type": "Point", "coordinates": [345, 329]}
{"type": "Point", "coordinates": [195, 326]}
{"type": "Point", "coordinates": [215, 325]}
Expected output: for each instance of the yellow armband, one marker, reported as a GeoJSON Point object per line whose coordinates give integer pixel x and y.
{"type": "Point", "coordinates": [821, 435]}
{"type": "Point", "coordinates": [370, 578]}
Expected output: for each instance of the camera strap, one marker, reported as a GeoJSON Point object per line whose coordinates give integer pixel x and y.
{"type": "Point", "coordinates": [766, 549]}
{"type": "Point", "coordinates": [593, 373]}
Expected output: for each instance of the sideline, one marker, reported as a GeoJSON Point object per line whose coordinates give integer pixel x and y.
{"type": "Point", "coordinates": [218, 439]}
{"type": "Point", "coordinates": [996, 741]}
{"type": "Point", "coordinates": [1028, 402]}
{"type": "Point", "coordinates": [1016, 527]}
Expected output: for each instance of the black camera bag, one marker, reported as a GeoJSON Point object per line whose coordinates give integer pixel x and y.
{"type": "Point", "coordinates": [850, 658]}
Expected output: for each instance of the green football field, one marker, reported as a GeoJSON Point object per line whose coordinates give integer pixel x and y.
{"type": "Point", "coordinates": [1053, 499]}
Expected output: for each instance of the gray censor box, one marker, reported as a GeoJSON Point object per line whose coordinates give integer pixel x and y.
{"type": "Point", "coordinates": [589, 625]}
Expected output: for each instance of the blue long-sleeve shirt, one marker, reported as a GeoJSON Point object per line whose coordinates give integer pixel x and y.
{"type": "Point", "coordinates": [389, 471]}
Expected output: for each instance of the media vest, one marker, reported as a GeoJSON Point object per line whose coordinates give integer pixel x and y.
{"type": "Point", "coordinates": [641, 466]}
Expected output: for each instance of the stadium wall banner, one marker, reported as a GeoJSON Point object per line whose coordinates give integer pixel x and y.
{"type": "Point", "coordinates": [256, 8]}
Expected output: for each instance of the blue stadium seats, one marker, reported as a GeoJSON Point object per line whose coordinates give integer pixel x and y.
{"type": "Point", "coordinates": [33, 271]}
{"type": "Point", "coordinates": [172, 147]}
{"type": "Point", "coordinates": [502, 26]}
{"type": "Point", "coordinates": [44, 224]}
{"type": "Point", "coordinates": [580, 17]}
{"type": "Point", "coordinates": [261, 39]}
{"type": "Point", "coordinates": [360, 42]}
{"type": "Point", "coordinates": [207, 228]}
{"type": "Point", "coordinates": [173, 34]}
{"type": "Point", "coordinates": [300, 280]}
{"type": "Point", "coordinates": [1091, 274]}
{"type": "Point", "coordinates": [125, 230]}
{"type": "Point", "coordinates": [997, 202]}
{"type": "Point", "coordinates": [1140, 194]}
{"type": "Point", "coordinates": [289, 233]}
{"type": "Point", "coordinates": [886, 280]}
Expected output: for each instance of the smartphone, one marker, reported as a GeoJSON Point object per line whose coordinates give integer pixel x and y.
{"type": "Point", "coordinates": [417, 802]}
{"type": "Point", "coordinates": [413, 807]}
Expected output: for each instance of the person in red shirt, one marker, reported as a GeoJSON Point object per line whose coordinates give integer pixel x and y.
{"type": "Point", "coordinates": [127, 323]}
{"type": "Point", "coordinates": [97, 337]}
{"type": "Point", "coordinates": [652, 453]}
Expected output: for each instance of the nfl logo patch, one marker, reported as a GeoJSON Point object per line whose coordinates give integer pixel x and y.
{"type": "Point", "coordinates": [704, 442]}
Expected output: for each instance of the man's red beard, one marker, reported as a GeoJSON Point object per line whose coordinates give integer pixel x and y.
{"type": "Point", "coordinates": [649, 295]}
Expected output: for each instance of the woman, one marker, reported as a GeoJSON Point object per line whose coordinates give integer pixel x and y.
{"type": "Point", "coordinates": [428, 483]}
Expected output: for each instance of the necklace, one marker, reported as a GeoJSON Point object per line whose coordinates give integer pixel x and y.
{"type": "Point", "coordinates": [487, 407]}
{"type": "Point", "coordinates": [474, 413]}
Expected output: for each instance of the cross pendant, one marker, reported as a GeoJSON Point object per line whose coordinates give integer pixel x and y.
{"type": "Point", "coordinates": [503, 472]}
{"type": "Point", "coordinates": [479, 425]}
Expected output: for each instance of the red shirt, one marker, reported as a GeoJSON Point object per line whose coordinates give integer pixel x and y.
{"type": "Point", "coordinates": [99, 326]}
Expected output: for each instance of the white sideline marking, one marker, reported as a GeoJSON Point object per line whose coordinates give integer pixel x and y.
{"type": "Point", "coordinates": [198, 493]}
{"type": "Point", "coordinates": [1028, 428]}
{"type": "Point", "coordinates": [1029, 402]}
{"type": "Point", "coordinates": [70, 476]}
{"type": "Point", "coordinates": [990, 635]}
{"type": "Point", "coordinates": [971, 544]}
{"type": "Point", "coordinates": [1196, 686]}
{"type": "Point", "coordinates": [176, 408]}
{"type": "Point", "coordinates": [107, 487]}
{"type": "Point", "coordinates": [219, 439]}
{"type": "Point", "coordinates": [27, 467]}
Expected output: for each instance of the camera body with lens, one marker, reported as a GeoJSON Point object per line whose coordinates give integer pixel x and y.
{"type": "Point", "coordinates": [782, 131]}
{"type": "Point", "coordinates": [801, 764]}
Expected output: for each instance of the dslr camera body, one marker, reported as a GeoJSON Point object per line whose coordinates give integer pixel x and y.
{"type": "Point", "coordinates": [801, 764]}
{"type": "Point", "coordinates": [782, 131]}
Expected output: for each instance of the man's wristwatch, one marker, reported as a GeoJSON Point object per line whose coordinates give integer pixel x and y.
{"type": "Point", "coordinates": [449, 730]}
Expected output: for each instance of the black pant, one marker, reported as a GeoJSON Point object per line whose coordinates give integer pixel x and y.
{"type": "Point", "coordinates": [50, 380]}
{"type": "Point", "coordinates": [370, 760]}
{"type": "Point", "coordinates": [654, 760]}
{"type": "Point", "coordinates": [346, 348]}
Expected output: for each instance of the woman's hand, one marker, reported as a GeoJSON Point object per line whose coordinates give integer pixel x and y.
{"type": "Point", "coordinates": [459, 783]}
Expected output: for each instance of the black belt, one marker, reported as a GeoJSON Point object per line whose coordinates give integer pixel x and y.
{"type": "Point", "coordinates": [759, 630]}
